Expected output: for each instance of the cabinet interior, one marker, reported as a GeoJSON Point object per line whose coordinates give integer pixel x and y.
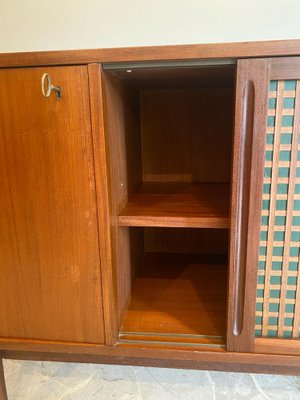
{"type": "Point", "coordinates": [169, 144]}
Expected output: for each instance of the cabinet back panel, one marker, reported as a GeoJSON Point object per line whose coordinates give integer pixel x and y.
{"type": "Point", "coordinates": [186, 134]}
{"type": "Point", "coordinates": [50, 285]}
{"type": "Point", "coordinates": [186, 241]}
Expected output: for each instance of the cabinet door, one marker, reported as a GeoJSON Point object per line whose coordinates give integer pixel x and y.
{"type": "Point", "coordinates": [264, 313]}
{"type": "Point", "coordinates": [50, 285]}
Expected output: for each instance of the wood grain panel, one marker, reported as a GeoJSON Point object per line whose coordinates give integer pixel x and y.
{"type": "Point", "coordinates": [152, 53]}
{"type": "Point", "coordinates": [50, 286]}
{"type": "Point", "coordinates": [186, 241]}
{"type": "Point", "coordinates": [103, 201]}
{"type": "Point", "coordinates": [283, 67]}
{"type": "Point", "coordinates": [123, 152]}
{"type": "Point", "coordinates": [277, 346]}
{"type": "Point", "coordinates": [148, 356]}
{"type": "Point", "coordinates": [178, 205]}
{"type": "Point", "coordinates": [247, 178]}
{"type": "Point", "coordinates": [186, 135]}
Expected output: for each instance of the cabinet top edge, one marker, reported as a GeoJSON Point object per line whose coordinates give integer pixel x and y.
{"type": "Point", "coordinates": [232, 50]}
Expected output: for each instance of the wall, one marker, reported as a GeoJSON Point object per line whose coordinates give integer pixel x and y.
{"type": "Point", "coordinates": [69, 24]}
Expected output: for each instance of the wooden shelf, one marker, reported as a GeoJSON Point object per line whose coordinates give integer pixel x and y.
{"type": "Point", "coordinates": [204, 205]}
{"type": "Point", "coordinates": [178, 298]}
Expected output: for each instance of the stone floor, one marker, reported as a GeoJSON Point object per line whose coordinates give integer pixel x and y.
{"type": "Point", "coordinates": [28, 380]}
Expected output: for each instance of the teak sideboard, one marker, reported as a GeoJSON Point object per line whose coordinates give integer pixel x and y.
{"type": "Point", "coordinates": [150, 206]}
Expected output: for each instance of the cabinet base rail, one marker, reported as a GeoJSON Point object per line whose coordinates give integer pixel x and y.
{"type": "Point", "coordinates": [166, 358]}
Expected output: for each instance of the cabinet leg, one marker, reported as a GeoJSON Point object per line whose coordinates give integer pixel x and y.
{"type": "Point", "coordinates": [3, 394]}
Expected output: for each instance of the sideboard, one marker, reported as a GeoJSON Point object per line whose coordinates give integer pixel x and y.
{"type": "Point", "coordinates": [150, 206]}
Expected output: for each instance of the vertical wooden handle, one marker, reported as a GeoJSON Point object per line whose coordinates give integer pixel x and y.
{"type": "Point", "coordinates": [242, 218]}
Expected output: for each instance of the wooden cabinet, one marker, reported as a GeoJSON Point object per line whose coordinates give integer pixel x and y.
{"type": "Point", "coordinates": [178, 170]}
{"type": "Point", "coordinates": [50, 284]}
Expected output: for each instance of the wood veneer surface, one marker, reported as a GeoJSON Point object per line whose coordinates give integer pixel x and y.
{"type": "Point", "coordinates": [151, 53]}
{"type": "Point", "coordinates": [50, 282]}
{"type": "Point", "coordinates": [178, 205]}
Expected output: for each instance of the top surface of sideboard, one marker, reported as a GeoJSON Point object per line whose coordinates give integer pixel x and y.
{"type": "Point", "coordinates": [153, 53]}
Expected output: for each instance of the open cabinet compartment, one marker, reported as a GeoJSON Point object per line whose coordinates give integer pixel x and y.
{"type": "Point", "coordinates": [178, 293]}
{"type": "Point", "coordinates": [169, 144]}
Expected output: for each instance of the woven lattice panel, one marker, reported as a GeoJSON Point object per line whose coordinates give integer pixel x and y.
{"type": "Point", "coordinates": [278, 287]}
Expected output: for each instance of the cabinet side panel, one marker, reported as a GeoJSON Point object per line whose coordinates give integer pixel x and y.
{"type": "Point", "coordinates": [50, 285]}
{"type": "Point", "coordinates": [103, 203]}
{"type": "Point", "coordinates": [122, 132]}
{"type": "Point", "coordinates": [247, 177]}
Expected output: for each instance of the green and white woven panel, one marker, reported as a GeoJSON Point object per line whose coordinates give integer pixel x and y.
{"type": "Point", "coordinates": [278, 286]}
